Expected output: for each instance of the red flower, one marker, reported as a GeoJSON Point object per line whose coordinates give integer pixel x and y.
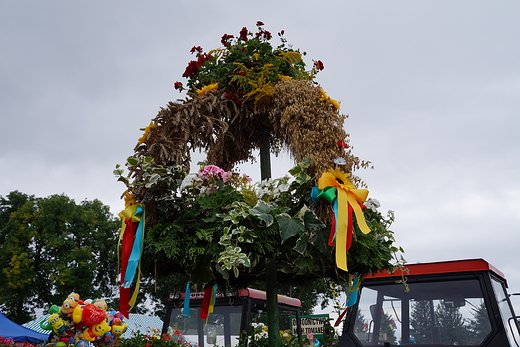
{"type": "Point", "coordinates": [195, 65]}
{"type": "Point", "coordinates": [342, 144]}
{"type": "Point", "coordinates": [259, 23]}
{"type": "Point", "coordinates": [225, 39]}
{"type": "Point", "coordinates": [266, 34]}
{"type": "Point", "coordinates": [243, 34]}
{"type": "Point", "coordinates": [319, 65]}
{"type": "Point", "coordinates": [281, 33]}
{"type": "Point", "coordinates": [177, 85]}
{"type": "Point", "coordinates": [196, 49]}
{"type": "Point", "coordinates": [191, 69]}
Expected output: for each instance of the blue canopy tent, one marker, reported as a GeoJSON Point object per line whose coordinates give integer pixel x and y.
{"type": "Point", "coordinates": [19, 333]}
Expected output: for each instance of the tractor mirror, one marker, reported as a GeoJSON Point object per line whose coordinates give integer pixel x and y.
{"type": "Point", "coordinates": [454, 301]}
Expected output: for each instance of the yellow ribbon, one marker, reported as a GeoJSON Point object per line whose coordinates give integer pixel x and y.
{"type": "Point", "coordinates": [347, 195]}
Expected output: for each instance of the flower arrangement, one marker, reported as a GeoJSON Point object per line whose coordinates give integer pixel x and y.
{"type": "Point", "coordinates": [259, 338]}
{"type": "Point", "coordinates": [9, 341]}
{"type": "Point", "coordinates": [172, 339]}
{"type": "Point", "coordinates": [247, 67]}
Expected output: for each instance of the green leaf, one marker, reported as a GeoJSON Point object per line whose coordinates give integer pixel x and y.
{"type": "Point", "coordinates": [132, 161]}
{"type": "Point", "coordinates": [301, 244]}
{"type": "Point", "coordinates": [152, 181]}
{"type": "Point", "coordinates": [312, 222]}
{"type": "Point", "coordinates": [261, 210]}
{"type": "Point", "coordinates": [211, 218]}
{"type": "Point", "coordinates": [295, 170]}
{"type": "Point", "coordinates": [320, 241]}
{"type": "Point", "coordinates": [118, 172]}
{"type": "Point", "coordinates": [289, 226]}
{"type": "Point", "coordinates": [302, 178]}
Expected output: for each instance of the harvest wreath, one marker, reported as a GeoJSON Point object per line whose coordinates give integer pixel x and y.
{"type": "Point", "coordinates": [217, 226]}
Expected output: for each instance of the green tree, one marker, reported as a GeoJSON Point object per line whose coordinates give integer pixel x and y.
{"type": "Point", "coordinates": [12, 202]}
{"type": "Point", "coordinates": [479, 326]}
{"type": "Point", "coordinates": [421, 321]}
{"type": "Point", "coordinates": [52, 247]}
{"type": "Point", "coordinates": [452, 325]}
{"type": "Point", "coordinates": [387, 328]}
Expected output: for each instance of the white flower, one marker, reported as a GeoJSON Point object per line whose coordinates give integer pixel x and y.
{"type": "Point", "coordinates": [283, 187]}
{"type": "Point", "coordinates": [189, 180]}
{"type": "Point", "coordinates": [372, 204]}
{"type": "Point", "coordinates": [340, 161]}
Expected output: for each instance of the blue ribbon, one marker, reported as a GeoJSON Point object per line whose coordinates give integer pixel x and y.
{"type": "Point", "coordinates": [135, 256]}
{"type": "Point", "coordinates": [353, 291]}
{"type": "Point", "coordinates": [186, 309]}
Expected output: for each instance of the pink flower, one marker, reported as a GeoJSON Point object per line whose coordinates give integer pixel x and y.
{"type": "Point", "coordinates": [227, 176]}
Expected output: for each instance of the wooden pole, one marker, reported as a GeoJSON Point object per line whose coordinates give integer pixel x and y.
{"type": "Point", "coordinates": [271, 284]}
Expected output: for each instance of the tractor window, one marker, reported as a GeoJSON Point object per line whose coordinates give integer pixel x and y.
{"type": "Point", "coordinates": [506, 313]}
{"type": "Point", "coordinates": [431, 313]}
{"type": "Point", "coordinates": [222, 327]}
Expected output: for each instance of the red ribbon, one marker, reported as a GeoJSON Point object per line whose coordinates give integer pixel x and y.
{"type": "Point", "coordinates": [126, 249]}
{"type": "Point", "coordinates": [206, 301]}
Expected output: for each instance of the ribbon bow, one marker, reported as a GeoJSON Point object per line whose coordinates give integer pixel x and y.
{"type": "Point", "coordinates": [335, 187]}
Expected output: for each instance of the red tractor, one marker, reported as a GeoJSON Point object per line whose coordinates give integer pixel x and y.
{"type": "Point", "coordinates": [462, 303]}
{"type": "Point", "coordinates": [233, 316]}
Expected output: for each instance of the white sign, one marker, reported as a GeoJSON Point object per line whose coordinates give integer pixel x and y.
{"type": "Point", "coordinates": [312, 324]}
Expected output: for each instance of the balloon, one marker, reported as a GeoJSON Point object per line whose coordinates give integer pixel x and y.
{"type": "Point", "coordinates": [119, 329]}
{"type": "Point", "coordinates": [101, 328]}
{"type": "Point", "coordinates": [91, 315]}
{"type": "Point", "coordinates": [100, 304]}
{"type": "Point", "coordinates": [77, 314]}
{"type": "Point", "coordinates": [68, 306]}
{"type": "Point", "coordinates": [59, 326]}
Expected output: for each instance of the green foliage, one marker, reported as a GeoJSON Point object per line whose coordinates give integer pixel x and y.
{"type": "Point", "coordinates": [53, 247]}
{"type": "Point", "coordinates": [374, 251]}
{"type": "Point", "coordinates": [217, 226]}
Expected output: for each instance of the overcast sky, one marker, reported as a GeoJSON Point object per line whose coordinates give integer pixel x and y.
{"type": "Point", "coordinates": [432, 88]}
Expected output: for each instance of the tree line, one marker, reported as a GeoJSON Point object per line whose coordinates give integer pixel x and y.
{"type": "Point", "coordinates": [50, 247]}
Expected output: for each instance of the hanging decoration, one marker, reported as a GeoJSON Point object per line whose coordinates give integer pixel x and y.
{"type": "Point", "coordinates": [335, 187]}
{"type": "Point", "coordinates": [131, 238]}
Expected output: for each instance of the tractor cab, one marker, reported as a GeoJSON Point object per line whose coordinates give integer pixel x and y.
{"type": "Point", "coordinates": [232, 316]}
{"type": "Point", "coordinates": [462, 303]}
